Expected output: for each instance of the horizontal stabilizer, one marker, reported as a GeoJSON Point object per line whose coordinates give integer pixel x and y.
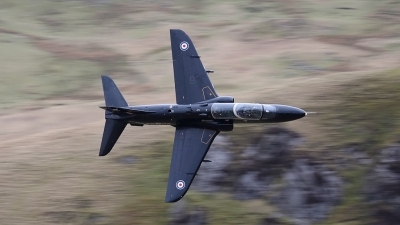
{"type": "Point", "coordinates": [112, 130]}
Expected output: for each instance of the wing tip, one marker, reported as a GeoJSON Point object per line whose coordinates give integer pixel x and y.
{"type": "Point", "coordinates": [105, 77]}
{"type": "Point", "coordinates": [178, 32]}
{"type": "Point", "coordinates": [171, 199]}
{"type": "Point", "coordinates": [102, 152]}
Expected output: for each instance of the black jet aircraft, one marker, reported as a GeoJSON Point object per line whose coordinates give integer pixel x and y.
{"type": "Point", "coordinates": [199, 115]}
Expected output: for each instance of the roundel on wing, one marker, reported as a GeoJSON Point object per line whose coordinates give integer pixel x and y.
{"type": "Point", "coordinates": [184, 46]}
{"type": "Point", "coordinates": [180, 184]}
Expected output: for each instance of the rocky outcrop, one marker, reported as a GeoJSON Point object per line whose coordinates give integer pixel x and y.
{"type": "Point", "coordinates": [181, 213]}
{"type": "Point", "coordinates": [353, 154]}
{"type": "Point", "coordinates": [211, 175]}
{"type": "Point", "coordinates": [309, 192]}
{"type": "Point", "coordinates": [263, 162]}
{"type": "Point", "coordinates": [303, 190]}
{"type": "Point", "coordinates": [270, 221]}
{"type": "Point", "coordinates": [382, 187]}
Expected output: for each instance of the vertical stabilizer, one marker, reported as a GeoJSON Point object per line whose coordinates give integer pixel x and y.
{"type": "Point", "coordinates": [112, 95]}
{"type": "Point", "coordinates": [113, 127]}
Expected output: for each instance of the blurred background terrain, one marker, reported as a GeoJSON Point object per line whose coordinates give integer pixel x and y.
{"type": "Point", "coordinates": [339, 58]}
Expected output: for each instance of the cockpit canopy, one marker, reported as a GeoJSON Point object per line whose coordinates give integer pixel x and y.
{"type": "Point", "coordinates": [244, 111]}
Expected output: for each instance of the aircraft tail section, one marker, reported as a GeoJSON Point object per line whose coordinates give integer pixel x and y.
{"type": "Point", "coordinates": [112, 130]}
{"type": "Point", "coordinates": [112, 95]}
{"type": "Point", "coordinates": [114, 125]}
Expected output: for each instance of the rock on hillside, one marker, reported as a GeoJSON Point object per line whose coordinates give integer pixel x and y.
{"type": "Point", "coordinates": [211, 175]}
{"type": "Point", "coordinates": [309, 193]}
{"type": "Point", "coordinates": [263, 162]}
{"type": "Point", "coordinates": [303, 190]}
{"type": "Point", "coordinates": [180, 213]}
{"type": "Point", "coordinates": [383, 187]}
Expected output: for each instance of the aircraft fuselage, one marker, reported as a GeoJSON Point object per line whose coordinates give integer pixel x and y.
{"type": "Point", "coordinates": [217, 116]}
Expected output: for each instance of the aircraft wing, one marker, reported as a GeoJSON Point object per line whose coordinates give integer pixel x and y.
{"type": "Point", "coordinates": [190, 147]}
{"type": "Point", "coordinates": [192, 83]}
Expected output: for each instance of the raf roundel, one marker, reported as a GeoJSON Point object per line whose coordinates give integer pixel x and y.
{"type": "Point", "coordinates": [184, 46]}
{"type": "Point", "coordinates": [180, 184]}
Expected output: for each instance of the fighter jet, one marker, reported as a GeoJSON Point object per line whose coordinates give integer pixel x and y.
{"type": "Point", "coordinates": [198, 115]}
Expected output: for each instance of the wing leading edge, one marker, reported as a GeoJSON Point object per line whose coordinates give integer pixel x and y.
{"type": "Point", "coordinates": [192, 83]}
{"type": "Point", "coordinates": [190, 147]}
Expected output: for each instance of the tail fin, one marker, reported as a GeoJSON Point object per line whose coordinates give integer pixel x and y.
{"type": "Point", "coordinates": [113, 127]}
{"type": "Point", "coordinates": [112, 95]}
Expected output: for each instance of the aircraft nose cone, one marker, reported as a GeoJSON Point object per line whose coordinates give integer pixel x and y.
{"type": "Point", "coordinates": [288, 113]}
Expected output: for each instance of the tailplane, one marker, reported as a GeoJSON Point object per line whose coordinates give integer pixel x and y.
{"type": "Point", "coordinates": [112, 130]}
{"type": "Point", "coordinates": [114, 126]}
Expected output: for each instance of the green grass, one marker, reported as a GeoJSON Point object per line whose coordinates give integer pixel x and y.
{"type": "Point", "coordinates": [366, 111]}
{"type": "Point", "coordinates": [352, 210]}
{"type": "Point", "coordinates": [29, 73]}
{"type": "Point", "coordinates": [295, 65]}
{"type": "Point", "coordinates": [69, 18]}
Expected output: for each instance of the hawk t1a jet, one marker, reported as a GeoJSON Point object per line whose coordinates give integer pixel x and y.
{"type": "Point", "coordinates": [199, 115]}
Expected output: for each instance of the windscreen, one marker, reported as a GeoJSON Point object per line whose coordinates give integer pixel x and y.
{"type": "Point", "coordinates": [248, 111]}
{"type": "Point", "coordinates": [223, 111]}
